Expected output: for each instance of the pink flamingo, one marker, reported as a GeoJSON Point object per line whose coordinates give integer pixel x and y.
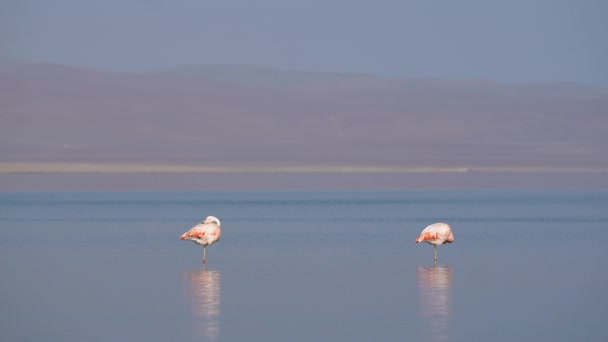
{"type": "Point", "coordinates": [204, 234]}
{"type": "Point", "coordinates": [436, 234]}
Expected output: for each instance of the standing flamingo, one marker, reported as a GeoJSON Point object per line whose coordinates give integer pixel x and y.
{"type": "Point", "coordinates": [436, 234]}
{"type": "Point", "coordinates": [204, 234]}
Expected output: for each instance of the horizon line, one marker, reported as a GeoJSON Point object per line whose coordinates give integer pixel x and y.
{"type": "Point", "coordinates": [104, 168]}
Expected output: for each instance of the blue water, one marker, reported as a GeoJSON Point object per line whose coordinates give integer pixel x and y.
{"type": "Point", "coordinates": [527, 265]}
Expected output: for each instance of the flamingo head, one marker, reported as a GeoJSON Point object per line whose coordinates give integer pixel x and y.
{"type": "Point", "coordinates": [212, 219]}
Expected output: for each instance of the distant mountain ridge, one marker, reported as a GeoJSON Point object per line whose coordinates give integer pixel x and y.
{"type": "Point", "coordinates": [257, 76]}
{"type": "Point", "coordinates": [247, 114]}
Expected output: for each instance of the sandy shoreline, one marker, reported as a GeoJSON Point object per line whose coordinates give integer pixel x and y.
{"type": "Point", "coordinates": [184, 181]}
{"type": "Point", "coordinates": [60, 168]}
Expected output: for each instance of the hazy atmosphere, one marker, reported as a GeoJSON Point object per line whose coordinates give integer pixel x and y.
{"type": "Point", "coordinates": [318, 139]}
{"type": "Point", "coordinates": [506, 41]}
{"type": "Point", "coordinates": [285, 87]}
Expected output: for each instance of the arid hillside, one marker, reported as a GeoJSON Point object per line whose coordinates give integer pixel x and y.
{"type": "Point", "coordinates": [249, 115]}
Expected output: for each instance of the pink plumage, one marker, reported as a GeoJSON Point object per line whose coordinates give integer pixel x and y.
{"type": "Point", "coordinates": [206, 233]}
{"type": "Point", "coordinates": [436, 234]}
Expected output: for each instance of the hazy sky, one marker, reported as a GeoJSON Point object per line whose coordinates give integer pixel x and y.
{"type": "Point", "coordinates": [506, 40]}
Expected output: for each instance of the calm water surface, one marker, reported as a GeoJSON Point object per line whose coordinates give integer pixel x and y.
{"type": "Point", "coordinates": [527, 265]}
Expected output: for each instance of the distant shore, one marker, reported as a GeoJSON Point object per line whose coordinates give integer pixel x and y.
{"type": "Point", "coordinates": [150, 177]}
{"type": "Point", "coordinates": [29, 168]}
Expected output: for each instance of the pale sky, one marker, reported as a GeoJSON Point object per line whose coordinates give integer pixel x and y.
{"type": "Point", "coordinates": [516, 41]}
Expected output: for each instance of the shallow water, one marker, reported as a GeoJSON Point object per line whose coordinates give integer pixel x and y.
{"type": "Point", "coordinates": [527, 265]}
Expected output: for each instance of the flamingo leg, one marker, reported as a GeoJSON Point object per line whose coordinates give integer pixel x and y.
{"type": "Point", "coordinates": [435, 248]}
{"type": "Point", "coordinates": [204, 254]}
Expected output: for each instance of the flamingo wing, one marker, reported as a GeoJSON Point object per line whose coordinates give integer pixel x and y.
{"type": "Point", "coordinates": [436, 233]}
{"type": "Point", "coordinates": [203, 234]}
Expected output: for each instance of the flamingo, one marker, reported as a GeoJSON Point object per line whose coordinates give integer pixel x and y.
{"type": "Point", "coordinates": [204, 234]}
{"type": "Point", "coordinates": [436, 234]}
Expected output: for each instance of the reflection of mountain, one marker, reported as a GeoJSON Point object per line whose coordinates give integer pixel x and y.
{"type": "Point", "coordinates": [204, 291]}
{"type": "Point", "coordinates": [434, 283]}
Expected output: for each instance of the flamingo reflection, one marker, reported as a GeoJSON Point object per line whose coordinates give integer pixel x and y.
{"type": "Point", "coordinates": [434, 283]}
{"type": "Point", "coordinates": [204, 290]}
